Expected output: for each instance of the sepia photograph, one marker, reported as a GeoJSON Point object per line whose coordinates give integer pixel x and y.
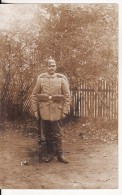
{"type": "Point", "coordinates": [59, 96]}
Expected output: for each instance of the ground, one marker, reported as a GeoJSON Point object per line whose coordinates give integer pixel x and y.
{"type": "Point", "coordinates": [91, 151]}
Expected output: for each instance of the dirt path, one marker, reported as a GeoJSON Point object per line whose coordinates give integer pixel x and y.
{"type": "Point", "coordinates": [93, 165]}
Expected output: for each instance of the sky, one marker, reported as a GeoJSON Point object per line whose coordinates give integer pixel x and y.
{"type": "Point", "coordinates": [10, 14]}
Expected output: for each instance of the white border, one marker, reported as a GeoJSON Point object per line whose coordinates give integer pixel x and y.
{"type": "Point", "coordinates": [60, 192]}
{"type": "Point", "coordinates": [61, 1]}
{"type": "Point", "coordinates": [120, 97]}
{"type": "Point", "coordinates": [84, 192]}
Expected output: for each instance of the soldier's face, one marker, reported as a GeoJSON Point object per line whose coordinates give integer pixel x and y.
{"type": "Point", "coordinates": [52, 68]}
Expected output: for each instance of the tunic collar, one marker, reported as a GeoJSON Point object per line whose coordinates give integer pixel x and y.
{"type": "Point", "coordinates": [50, 76]}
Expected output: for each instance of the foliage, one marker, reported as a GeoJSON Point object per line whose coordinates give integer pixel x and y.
{"type": "Point", "coordinates": [78, 35]}
{"type": "Point", "coordinates": [83, 36]}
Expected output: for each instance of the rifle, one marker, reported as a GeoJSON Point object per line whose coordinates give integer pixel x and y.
{"type": "Point", "coordinates": [39, 126]}
{"type": "Point", "coordinates": [41, 140]}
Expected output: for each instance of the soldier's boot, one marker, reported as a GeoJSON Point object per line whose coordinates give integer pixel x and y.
{"type": "Point", "coordinates": [49, 158]}
{"type": "Point", "coordinates": [61, 158]}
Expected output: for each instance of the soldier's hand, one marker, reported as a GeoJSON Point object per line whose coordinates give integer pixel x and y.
{"type": "Point", "coordinates": [64, 115]}
{"type": "Point", "coordinates": [36, 115]}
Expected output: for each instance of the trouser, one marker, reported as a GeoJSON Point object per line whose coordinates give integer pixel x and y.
{"type": "Point", "coordinates": [52, 133]}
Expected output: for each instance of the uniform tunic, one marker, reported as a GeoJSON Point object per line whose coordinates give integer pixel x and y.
{"type": "Point", "coordinates": [51, 86]}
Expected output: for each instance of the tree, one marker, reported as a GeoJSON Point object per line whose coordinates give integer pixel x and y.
{"type": "Point", "coordinates": [83, 36]}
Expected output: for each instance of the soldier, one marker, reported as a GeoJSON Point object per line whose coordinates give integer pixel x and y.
{"type": "Point", "coordinates": [52, 92]}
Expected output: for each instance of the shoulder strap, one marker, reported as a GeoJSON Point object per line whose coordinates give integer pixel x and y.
{"type": "Point", "coordinates": [62, 76]}
{"type": "Point", "coordinates": [41, 75]}
{"type": "Point", "coordinates": [41, 78]}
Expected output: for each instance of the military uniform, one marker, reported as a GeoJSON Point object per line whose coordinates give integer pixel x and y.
{"type": "Point", "coordinates": [52, 95]}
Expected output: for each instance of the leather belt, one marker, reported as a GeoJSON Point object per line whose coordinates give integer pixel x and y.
{"type": "Point", "coordinates": [43, 97]}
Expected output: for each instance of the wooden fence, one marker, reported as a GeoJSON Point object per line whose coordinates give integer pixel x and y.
{"type": "Point", "coordinates": [89, 99]}
{"type": "Point", "coordinates": [94, 99]}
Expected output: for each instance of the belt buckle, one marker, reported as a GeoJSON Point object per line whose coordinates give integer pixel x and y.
{"type": "Point", "coordinates": [50, 97]}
